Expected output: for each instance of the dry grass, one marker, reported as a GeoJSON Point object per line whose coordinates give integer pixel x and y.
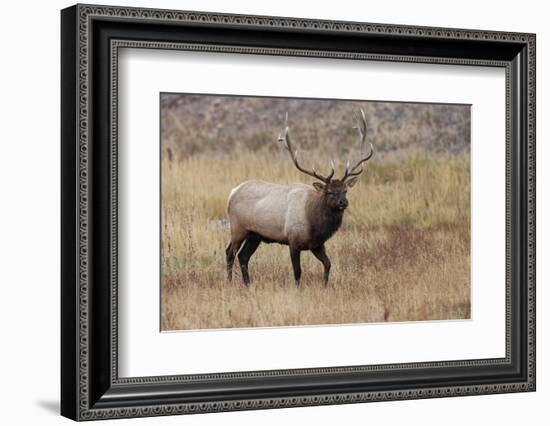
{"type": "Point", "coordinates": [402, 254]}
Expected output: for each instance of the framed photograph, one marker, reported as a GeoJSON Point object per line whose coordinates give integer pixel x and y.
{"type": "Point", "coordinates": [263, 212]}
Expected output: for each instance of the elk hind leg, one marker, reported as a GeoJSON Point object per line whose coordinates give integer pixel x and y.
{"type": "Point", "coordinates": [250, 246]}
{"type": "Point", "coordinates": [231, 250]}
{"type": "Point", "coordinates": [229, 258]}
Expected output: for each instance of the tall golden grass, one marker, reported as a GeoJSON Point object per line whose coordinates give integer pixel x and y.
{"type": "Point", "coordinates": [402, 253]}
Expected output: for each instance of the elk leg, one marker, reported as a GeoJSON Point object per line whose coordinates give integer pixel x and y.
{"type": "Point", "coordinates": [250, 246]}
{"type": "Point", "coordinates": [231, 251]}
{"type": "Point", "coordinates": [321, 254]}
{"type": "Point", "coordinates": [295, 258]}
{"type": "Point", "coordinates": [229, 257]}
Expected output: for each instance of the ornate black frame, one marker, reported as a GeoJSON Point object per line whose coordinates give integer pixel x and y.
{"type": "Point", "coordinates": [91, 37]}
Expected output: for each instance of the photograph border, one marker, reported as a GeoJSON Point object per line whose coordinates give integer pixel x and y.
{"type": "Point", "coordinates": [115, 214]}
{"type": "Point", "coordinates": [91, 37]}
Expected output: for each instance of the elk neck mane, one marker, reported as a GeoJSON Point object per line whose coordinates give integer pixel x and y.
{"type": "Point", "coordinates": [324, 221]}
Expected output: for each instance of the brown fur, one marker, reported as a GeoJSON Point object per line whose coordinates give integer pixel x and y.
{"type": "Point", "coordinates": [324, 220]}
{"type": "Point", "coordinates": [301, 216]}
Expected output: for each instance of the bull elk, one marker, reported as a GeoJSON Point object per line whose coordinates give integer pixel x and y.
{"type": "Point", "coordinates": [301, 216]}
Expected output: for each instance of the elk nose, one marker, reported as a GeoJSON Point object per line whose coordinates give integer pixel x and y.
{"type": "Point", "coordinates": [343, 204]}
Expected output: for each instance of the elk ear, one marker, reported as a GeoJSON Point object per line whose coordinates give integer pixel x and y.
{"type": "Point", "coordinates": [318, 186]}
{"type": "Point", "coordinates": [351, 182]}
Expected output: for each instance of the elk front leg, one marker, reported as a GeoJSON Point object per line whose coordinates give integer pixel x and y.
{"type": "Point", "coordinates": [321, 254]}
{"type": "Point", "coordinates": [295, 258]}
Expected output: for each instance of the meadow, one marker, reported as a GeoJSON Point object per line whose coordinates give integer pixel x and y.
{"type": "Point", "coordinates": [402, 253]}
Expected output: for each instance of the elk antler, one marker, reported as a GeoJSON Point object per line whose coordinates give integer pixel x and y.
{"type": "Point", "coordinates": [362, 129]}
{"type": "Point", "coordinates": [285, 138]}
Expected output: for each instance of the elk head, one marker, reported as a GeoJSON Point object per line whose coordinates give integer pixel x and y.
{"type": "Point", "coordinates": [334, 190]}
